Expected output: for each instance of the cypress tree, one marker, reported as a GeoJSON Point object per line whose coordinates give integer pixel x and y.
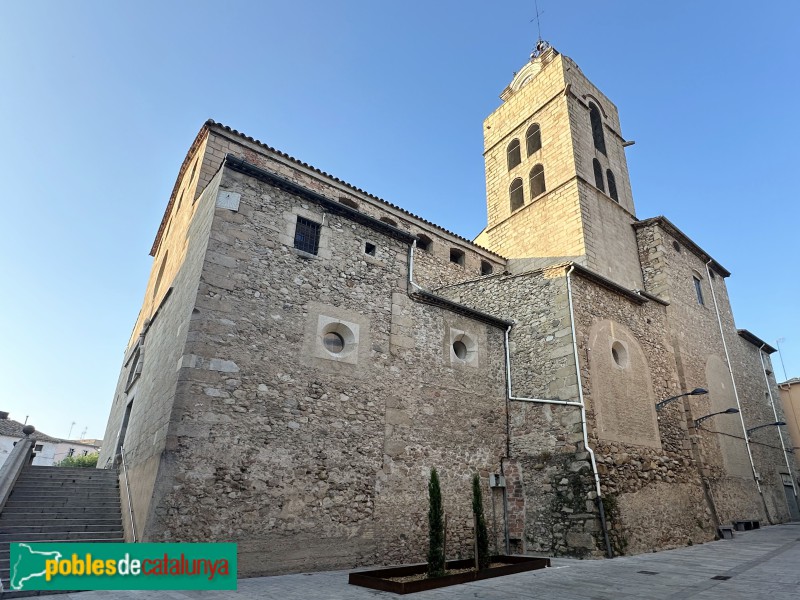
{"type": "Point", "coordinates": [436, 527]}
{"type": "Point", "coordinates": [481, 534]}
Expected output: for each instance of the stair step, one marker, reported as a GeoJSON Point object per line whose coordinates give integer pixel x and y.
{"type": "Point", "coordinates": [67, 490]}
{"type": "Point", "coordinates": [45, 469]}
{"type": "Point", "coordinates": [42, 519]}
{"type": "Point", "coordinates": [59, 527]}
{"type": "Point", "coordinates": [71, 509]}
{"type": "Point", "coordinates": [63, 495]}
{"type": "Point", "coordinates": [65, 536]}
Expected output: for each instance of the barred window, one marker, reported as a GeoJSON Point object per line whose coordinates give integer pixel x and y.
{"type": "Point", "coordinates": [533, 139]}
{"type": "Point", "coordinates": [516, 194]}
{"type": "Point", "coordinates": [306, 235]}
{"type": "Point", "coordinates": [597, 128]}
{"type": "Point", "coordinates": [513, 154]}
{"type": "Point", "coordinates": [612, 185]}
{"type": "Point", "coordinates": [598, 175]}
{"type": "Point", "coordinates": [537, 181]}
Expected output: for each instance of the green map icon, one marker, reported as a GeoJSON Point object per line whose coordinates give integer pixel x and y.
{"type": "Point", "coordinates": [29, 564]}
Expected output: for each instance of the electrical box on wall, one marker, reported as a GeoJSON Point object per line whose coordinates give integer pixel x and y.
{"type": "Point", "coordinates": [496, 480]}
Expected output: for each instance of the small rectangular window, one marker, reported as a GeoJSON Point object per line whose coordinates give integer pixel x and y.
{"type": "Point", "coordinates": [306, 235]}
{"type": "Point", "coordinates": [457, 256]}
{"type": "Point", "coordinates": [369, 249]}
{"type": "Point", "coordinates": [698, 288]}
{"type": "Point", "coordinates": [38, 447]}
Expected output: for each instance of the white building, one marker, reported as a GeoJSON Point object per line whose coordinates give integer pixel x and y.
{"type": "Point", "coordinates": [47, 450]}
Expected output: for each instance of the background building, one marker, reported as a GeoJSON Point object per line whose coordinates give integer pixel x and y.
{"type": "Point", "coordinates": [47, 451]}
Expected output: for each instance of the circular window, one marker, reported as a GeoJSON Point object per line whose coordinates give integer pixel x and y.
{"type": "Point", "coordinates": [619, 354]}
{"type": "Point", "coordinates": [333, 342]}
{"type": "Point", "coordinates": [677, 246]}
{"type": "Point", "coordinates": [463, 347]}
{"type": "Point", "coordinates": [338, 340]}
{"type": "Point", "coordinates": [460, 348]}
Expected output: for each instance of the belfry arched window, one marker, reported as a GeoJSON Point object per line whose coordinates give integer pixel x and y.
{"type": "Point", "coordinates": [537, 181]}
{"type": "Point", "coordinates": [514, 157]}
{"type": "Point", "coordinates": [598, 175]}
{"type": "Point", "coordinates": [533, 139]}
{"type": "Point", "coordinates": [597, 128]}
{"type": "Point", "coordinates": [612, 185]}
{"type": "Point", "coordinates": [516, 194]}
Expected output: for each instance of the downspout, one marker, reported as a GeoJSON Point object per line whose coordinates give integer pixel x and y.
{"type": "Point", "coordinates": [775, 412]}
{"type": "Point", "coordinates": [411, 265]}
{"type": "Point", "coordinates": [736, 392]}
{"type": "Point", "coordinates": [584, 426]}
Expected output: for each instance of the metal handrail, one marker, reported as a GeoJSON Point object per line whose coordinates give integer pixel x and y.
{"type": "Point", "coordinates": [128, 491]}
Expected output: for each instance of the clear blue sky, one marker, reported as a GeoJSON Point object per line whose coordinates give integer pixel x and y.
{"type": "Point", "coordinates": [101, 100]}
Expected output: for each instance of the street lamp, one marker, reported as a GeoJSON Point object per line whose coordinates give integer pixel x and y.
{"type": "Point", "coordinates": [694, 392]}
{"type": "Point", "coordinates": [775, 424]}
{"type": "Point", "coordinates": [727, 411]}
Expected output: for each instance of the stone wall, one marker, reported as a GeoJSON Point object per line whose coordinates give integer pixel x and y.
{"type": "Point", "coordinates": [649, 480]}
{"type": "Point", "coordinates": [434, 263]}
{"type": "Point", "coordinates": [548, 477]}
{"type": "Point", "coordinates": [150, 395]}
{"type": "Point", "coordinates": [670, 263]}
{"type": "Point", "coordinates": [306, 460]}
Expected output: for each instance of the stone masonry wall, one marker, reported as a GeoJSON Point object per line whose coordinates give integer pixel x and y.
{"type": "Point", "coordinates": [306, 460]}
{"type": "Point", "coordinates": [548, 477]}
{"type": "Point", "coordinates": [669, 267]}
{"type": "Point", "coordinates": [151, 395]}
{"type": "Point", "coordinates": [757, 408]}
{"type": "Point", "coordinates": [649, 480]}
{"type": "Point", "coordinates": [434, 263]}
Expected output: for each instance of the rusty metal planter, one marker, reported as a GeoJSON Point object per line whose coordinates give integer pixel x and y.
{"type": "Point", "coordinates": [377, 579]}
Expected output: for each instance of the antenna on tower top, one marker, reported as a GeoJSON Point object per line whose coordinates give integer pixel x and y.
{"type": "Point", "coordinates": [541, 45]}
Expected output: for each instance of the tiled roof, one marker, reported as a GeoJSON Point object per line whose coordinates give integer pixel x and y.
{"type": "Point", "coordinates": [211, 123]}
{"type": "Point", "coordinates": [12, 428]}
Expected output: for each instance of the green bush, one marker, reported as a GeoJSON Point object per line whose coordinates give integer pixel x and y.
{"type": "Point", "coordinates": [481, 534]}
{"type": "Point", "coordinates": [84, 462]}
{"type": "Point", "coordinates": [436, 527]}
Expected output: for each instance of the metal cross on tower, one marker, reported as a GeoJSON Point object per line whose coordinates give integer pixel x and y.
{"type": "Point", "coordinates": [538, 23]}
{"type": "Point", "coordinates": [541, 45]}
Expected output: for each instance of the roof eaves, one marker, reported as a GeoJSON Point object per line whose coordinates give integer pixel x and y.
{"type": "Point", "coordinates": [685, 240]}
{"type": "Point", "coordinates": [246, 168]}
{"type": "Point", "coordinates": [607, 283]}
{"type": "Point", "coordinates": [433, 299]}
{"type": "Point", "coordinates": [228, 129]}
{"type": "Point", "coordinates": [756, 341]}
{"type": "Point", "coordinates": [184, 166]}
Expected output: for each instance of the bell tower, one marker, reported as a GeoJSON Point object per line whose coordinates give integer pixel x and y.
{"type": "Point", "coordinates": [557, 185]}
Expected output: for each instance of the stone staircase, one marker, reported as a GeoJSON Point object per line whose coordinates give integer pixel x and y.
{"type": "Point", "coordinates": [58, 504]}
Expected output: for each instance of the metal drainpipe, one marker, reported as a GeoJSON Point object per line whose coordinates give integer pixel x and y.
{"type": "Point", "coordinates": [775, 412]}
{"type": "Point", "coordinates": [584, 426]}
{"type": "Point", "coordinates": [736, 393]}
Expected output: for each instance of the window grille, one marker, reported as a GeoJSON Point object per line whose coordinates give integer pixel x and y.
{"type": "Point", "coordinates": [514, 156]}
{"type": "Point", "coordinates": [533, 139]}
{"type": "Point", "coordinates": [698, 288]}
{"type": "Point", "coordinates": [612, 185]}
{"type": "Point", "coordinates": [306, 235]}
{"type": "Point", "coordinates": [517, 194]}
{"type": "Point", "coordinates": [597, 128]}
{"type": "Point", "coordinates": [598, 175]}
{"type": "Point", "coordinates": [537, 181]}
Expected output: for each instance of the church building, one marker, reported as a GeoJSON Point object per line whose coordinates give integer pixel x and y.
{"type": "Point", "coordinates": [306, 352]}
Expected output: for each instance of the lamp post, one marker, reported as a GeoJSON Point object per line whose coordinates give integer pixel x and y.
{"type": "Point", "coordinates": [775, 424]}
{"type": "Point", "coordinates": [694, 392]}
{"type": "Point", "coordinates": [727, 411]}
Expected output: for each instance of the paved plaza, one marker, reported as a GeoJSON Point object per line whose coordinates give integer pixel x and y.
{"type": "Point", "coordinates": [764, 563]}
